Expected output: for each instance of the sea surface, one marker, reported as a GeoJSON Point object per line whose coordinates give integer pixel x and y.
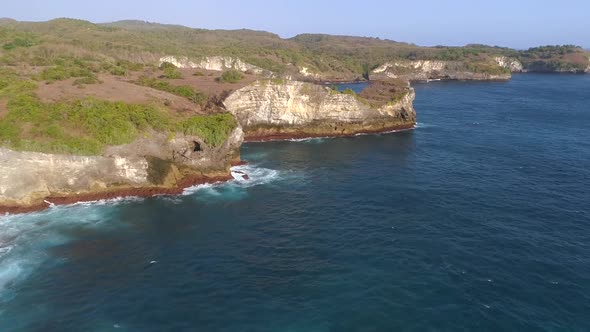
{"type": "Point", "coordinates": [477, 220]}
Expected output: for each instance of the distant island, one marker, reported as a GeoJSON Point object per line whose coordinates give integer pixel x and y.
{"type": "Point", "coordinates": [91, 111]}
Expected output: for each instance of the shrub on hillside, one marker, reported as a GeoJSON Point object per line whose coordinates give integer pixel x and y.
{"type": "Point", "coordinates": [196, 97]}
{"type": "Point", "coordinates": [231, 76]}
{"type": "Point", "coordinates": [172, 73]}
{"type": "Point", "coordinates": [19, 42]}
{"type": "Point", "coordinates": [60, 73]}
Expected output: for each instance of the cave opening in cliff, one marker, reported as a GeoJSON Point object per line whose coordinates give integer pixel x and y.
{"type": "Point", "coordinates": [197, 146]}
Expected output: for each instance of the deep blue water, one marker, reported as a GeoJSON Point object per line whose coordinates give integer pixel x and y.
{"type": "Point", "coordinates": [478, 220]}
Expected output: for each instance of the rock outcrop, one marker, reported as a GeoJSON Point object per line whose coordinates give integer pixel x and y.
{"type": "Point", "coordinates": [514, 65]}
{"type": "Point", "coordinates": [149, 165]}
{"type": "Point", "coordinates": [424, 70]}
{"type": "Point", "coordinates": [292, 109]}
{"type": "Point", "coordinates": [216, 63]}
{"type": "Point", "coordinates": [307, 74]}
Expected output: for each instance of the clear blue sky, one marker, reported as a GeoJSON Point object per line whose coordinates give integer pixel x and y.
{"type": "Point", "coordinates": [513, 23]}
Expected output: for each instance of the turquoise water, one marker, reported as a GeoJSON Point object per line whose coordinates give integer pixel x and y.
{"type": "Point", "coordinates": [477, 220]}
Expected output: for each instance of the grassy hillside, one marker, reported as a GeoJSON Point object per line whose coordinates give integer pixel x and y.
{"type": "Point", "coordinates": [86, 126]}
{"type": "Point", "coordinates": [60, 51]}
{"type": "Point", "coordinates": [141, 42]}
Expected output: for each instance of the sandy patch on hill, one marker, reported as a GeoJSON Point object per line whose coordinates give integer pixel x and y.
{"type": "Point", "coordinates": [3, 108]}
{"type": "Point", "coordinates": [113, 89]}
{"type": "Point", "coordinates": [208, 83]}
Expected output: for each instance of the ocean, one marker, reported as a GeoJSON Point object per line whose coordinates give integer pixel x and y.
{"type": "Point", "coordinates": [477, 220]}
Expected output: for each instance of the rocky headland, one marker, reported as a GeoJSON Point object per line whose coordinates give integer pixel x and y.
{"type": "Point", "coordinates": [424, 70]}
{"type": "Point", "coordinates": [148, 166]}
{"type": "Point", "coordinates": [291, 109]}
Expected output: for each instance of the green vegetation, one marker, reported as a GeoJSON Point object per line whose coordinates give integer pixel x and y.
{"type": "Point", "coordinates": [85, 127]}
{"type": "Point", "coordinates": [196, 97]}
{"type": "Point", "coordinates": [335, 91]}
{"type": "Point", "coordinates": [172, 74]}
{"type": "Point", "coordinates": [18, 42]}
{"type": "Point", "coordinates": [41, 43]}
{"type": "Point", "coordinates": [65, 49]}
{"type": "Point", "coordinates": [555, 58]}
{"type": "Point", "coordinates": [486, 68]}
{"type": "Point", "coordinates": [550, 51]}
{"type": "Point", "coordinates": [231, 76]}
{"type": "Point", "coordinates": [121, 67]}
{"type": "Point", "coordinates": [349, 92]}
{"type": "Point", "coordinates": [68, 70]}
{"type": "Point", "coordinates": [214, 129]}
{"type": "Point", "coordinates": [170, 71]}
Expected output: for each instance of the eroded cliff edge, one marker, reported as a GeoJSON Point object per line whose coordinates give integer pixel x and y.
{"type": "Point", "coordinates": [292, 109]}
{"type": "Point", "coordinates": [151, 165]}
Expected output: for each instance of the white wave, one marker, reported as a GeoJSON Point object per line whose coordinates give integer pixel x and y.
{"type": "Point", "coordinates": [423, 125]}
{"type": "Point", "coordinates": [25, 238]}
{"type": "Point", "coordinates": [256, 175]}
{"type": "Point", "coordinates": [310, 139]}
{"type": "Point", "coordinates": [110, 201]}
{"type": "Point", "coordinates": [5, 250]}
{"type": "Point", "coordinates": [170, 199]}
{"type": "Point", "coordinates": [9, 272]}
{"type": "Point", "coordinates": [199, 187]}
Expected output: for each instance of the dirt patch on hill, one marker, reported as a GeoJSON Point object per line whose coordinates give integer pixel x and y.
{"type": "Point", "coordinates": [379, 93]}
{"type": "Point", "coordinates": [206, 81]}
{"type": "Point", "coordinates": [577, 58]}
{"type": "Point", "coordinates": [3, 108]}
{"type": "Point", "coordinates": [113, 89]}
{"type": "Point", "coordinates": [123, 88]}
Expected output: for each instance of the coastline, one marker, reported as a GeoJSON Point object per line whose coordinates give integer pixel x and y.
{"type": "Point", "coordinates": [302, 135]}
{"type": "Point", "coordinates": [145, 192]}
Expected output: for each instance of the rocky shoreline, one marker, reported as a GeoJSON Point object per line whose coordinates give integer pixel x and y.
{"type": "Point", "coordinates": [158, 164]}
{"type": "Point", "coordinates": [189, 181]}
{"type": "Point", "coordinates": [113, 194]}
{"type": "Point", "coordinates": [304, 135]}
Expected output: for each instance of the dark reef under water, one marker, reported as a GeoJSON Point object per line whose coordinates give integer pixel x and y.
{"type": "Point", "coordinates": [476, 220]}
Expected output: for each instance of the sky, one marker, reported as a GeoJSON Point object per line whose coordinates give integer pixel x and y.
{"type": "Point", "coordinates": [513, 23]}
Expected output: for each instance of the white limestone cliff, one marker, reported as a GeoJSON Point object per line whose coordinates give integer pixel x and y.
{"type": "Point", "coordinates": [313, 109]}
{"type": "Point", "coordinates": [216, 63]}
{"type": "Point", "coordinates": [27, 178]}
{"type": "Point", "coordinates": [514, 65]}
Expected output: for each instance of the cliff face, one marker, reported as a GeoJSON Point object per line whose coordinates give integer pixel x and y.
{"type": "Point", "coordinates": [157, 163]}
{"type": "Point", "coordinates": [423, 70]}
{"type": "Point", "coordinates": [269, 110]}
{"type": "Point", "coordinates": [514, 65]}
{"type": "Point", "coordinates": [308, 75]}
{"type": "Point", "coordinates": [216, 63]}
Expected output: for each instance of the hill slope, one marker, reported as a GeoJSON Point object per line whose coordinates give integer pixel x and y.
{"type": "Point", "coordinates": [40, 42]}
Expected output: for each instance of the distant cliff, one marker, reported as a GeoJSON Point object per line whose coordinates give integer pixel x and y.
{"type": "Point", "coordinates": [288, 109]}
{"type": "Point", "coordinates": [512, 64]}
{"type": "Point", "coordinates": [217, 63]}
{"type": "Point", "coordinates": [422, 70]}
